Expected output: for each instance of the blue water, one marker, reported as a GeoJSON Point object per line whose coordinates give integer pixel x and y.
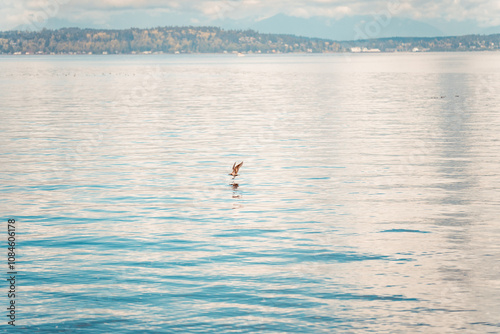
{"type": "Point", "coordinates": [368, 200]}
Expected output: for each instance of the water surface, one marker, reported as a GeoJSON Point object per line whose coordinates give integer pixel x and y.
{"type": "Point", "coordinates": [367, 202]}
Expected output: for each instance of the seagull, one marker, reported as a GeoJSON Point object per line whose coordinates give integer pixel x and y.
{"type": "Point", "coordinates": [236, 168]}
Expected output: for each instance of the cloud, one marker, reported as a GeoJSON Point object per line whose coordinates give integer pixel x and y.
{"type": "Point", "coordinates": [17, 12]}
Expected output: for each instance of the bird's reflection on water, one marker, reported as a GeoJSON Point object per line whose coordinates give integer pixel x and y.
{"type": "Point", "coordinates": [236, 192]}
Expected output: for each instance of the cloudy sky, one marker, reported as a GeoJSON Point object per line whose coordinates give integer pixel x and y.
{"type": "Point", "coordinates": [448, 16]}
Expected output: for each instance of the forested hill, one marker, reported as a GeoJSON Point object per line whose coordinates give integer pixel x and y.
{"type": "Point", "coordinates": [216, 40]}
{"type": "Point", "coordinates": [165, 39]}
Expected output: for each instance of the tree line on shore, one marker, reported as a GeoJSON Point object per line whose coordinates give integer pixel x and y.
{"type": "Point", "coordinates": [161, 39]}
{"type": "Point", "coordinates": [216, 40]}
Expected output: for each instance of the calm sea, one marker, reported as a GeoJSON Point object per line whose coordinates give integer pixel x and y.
{"type": "Point", "coordinates": [368, 200]}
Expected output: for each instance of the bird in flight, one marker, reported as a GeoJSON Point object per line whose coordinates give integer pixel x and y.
{"type": "Point", "coordinates": [236, 168]}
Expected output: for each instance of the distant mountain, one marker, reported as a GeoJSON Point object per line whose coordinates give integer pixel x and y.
{"type": "Point", "coordinates": [347, 28]}
{"type": "Point", "coordinates": [491, 30]}
{"type": "Point", "coordinates": [115, 21]}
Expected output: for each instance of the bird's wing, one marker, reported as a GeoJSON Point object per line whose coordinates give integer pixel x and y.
{"type": "Point", "coordinates": [237, 168]}
{"type": "Point", "coordinates": [234, 166]}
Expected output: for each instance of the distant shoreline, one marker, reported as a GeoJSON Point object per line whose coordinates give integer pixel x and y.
{"type": "Point", "coordinates": [245, 54]}
{"type": "Point", "coordinates": [213, 40]}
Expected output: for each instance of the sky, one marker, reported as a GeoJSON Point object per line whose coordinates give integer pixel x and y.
{"type": "Point", "coordinates": [448, 17]}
